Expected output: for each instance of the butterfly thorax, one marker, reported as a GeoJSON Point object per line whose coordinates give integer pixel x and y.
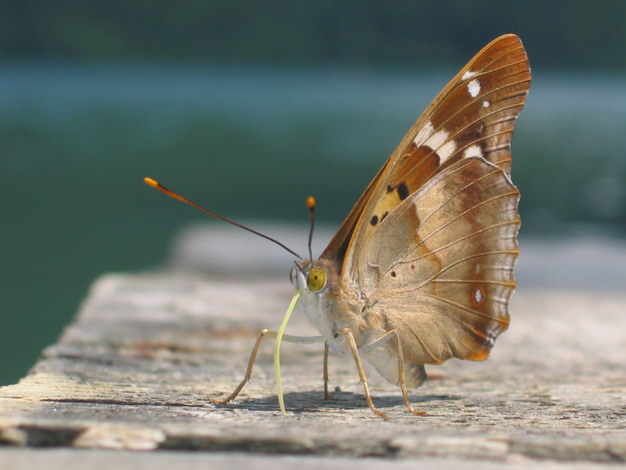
{"type": "Point", "coordinates": [328, 303]}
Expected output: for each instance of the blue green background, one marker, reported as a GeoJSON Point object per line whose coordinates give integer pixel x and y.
{"type": "Point", "coordinates": [248, 107]}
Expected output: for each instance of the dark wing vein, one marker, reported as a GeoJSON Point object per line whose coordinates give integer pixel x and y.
{"type": "Point", "coordinates": [469, 310]}
{"type": "Point", "coordinates": [474, 281]}
{"type": "Point", "coordinates": [462, 260]}
{"type": "Point", "coordinates": [447, 245]}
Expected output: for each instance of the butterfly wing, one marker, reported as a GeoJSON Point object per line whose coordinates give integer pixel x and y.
{"type": "Point", "coordinates": [474, 115]}
{"type": "Point", "coordinates": [432, 241]}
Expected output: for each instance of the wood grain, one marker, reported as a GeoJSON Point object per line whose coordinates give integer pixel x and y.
{"type": "Point", "coordinates": [137, 368]}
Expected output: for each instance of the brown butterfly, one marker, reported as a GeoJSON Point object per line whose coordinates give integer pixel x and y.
{"type": "Point", "coordinates": [421, 270]}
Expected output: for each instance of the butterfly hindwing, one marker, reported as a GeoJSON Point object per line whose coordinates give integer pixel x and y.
{"type": "Point", "coordinates": [440, 266]}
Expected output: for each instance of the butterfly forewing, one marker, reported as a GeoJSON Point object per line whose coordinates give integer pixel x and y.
{"type": "Point", "coordinates": [473, 116]}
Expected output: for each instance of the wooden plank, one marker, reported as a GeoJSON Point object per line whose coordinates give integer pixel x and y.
{"type": "Point", "coordinates": [72, 459]}
{"type": "Point", "coordinates": [137, 368]}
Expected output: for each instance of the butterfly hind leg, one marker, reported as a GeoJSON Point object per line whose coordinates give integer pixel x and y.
{"type": "Point", "coordinates": [255, 350]}
{"type": "Point", "coordinates": [402, 377]}
{"type": "Point", "coordinates": [401, 368]}
{"type": "Point", "coordinates": [359, 366]}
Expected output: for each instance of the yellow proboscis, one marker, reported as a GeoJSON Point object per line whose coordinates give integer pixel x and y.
{"type": "Point", "coordinates": [279, 337]}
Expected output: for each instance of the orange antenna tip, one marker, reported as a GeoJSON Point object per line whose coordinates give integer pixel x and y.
{"type": "Point", "coordinates": [151, 182]}
{"type": "Point", "coordinates": [310, 202]}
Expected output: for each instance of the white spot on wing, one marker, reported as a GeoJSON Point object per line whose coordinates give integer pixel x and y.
{"type": "Point", "coordinates": [437, 139]}
{"type": "Point", "coordinates": [486, 104]}
{"type": "Point", "coordinates": [473, 151]}
{"type": "Point", "coordinates": [423, 134]}
{"type": "Point", "coordinates": [438, 142]}
{"type": "Point", "coordinates": [446, 151]}
{"type": "Point", "coordinates": [478, 296]}
{"type": "Point", "coordinates": [467, 75]}
{"type": "Point", "coordinates": [474, 88]}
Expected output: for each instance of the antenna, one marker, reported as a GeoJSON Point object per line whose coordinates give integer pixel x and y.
{"type": "Point", "coordinates": [310, 204]}
{"type": "Point", "coordinates": [156, 185]}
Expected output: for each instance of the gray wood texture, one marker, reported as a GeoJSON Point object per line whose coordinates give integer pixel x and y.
{"type": "Point", "coordinates": [137, 368]}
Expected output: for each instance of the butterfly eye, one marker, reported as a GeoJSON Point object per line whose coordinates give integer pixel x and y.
{"type": "Point", "coordinates": [316, 279]}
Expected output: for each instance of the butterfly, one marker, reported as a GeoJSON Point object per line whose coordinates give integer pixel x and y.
{"type": "Point", "coordinates": [421, 269]}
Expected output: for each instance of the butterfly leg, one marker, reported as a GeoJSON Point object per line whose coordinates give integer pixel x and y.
{"type": "Point", "coordinates": [359, 366]}
{"type": "Point", "coordinates": [246, 378]}
{"type": "Point", "coordinates": [327, 394]}
{"type": "Point", "coordinates": [401, 373]}
{"type": "Point", "coordinates": [402, 378]}
{"type": "Point", "coordinates": [255, 351]}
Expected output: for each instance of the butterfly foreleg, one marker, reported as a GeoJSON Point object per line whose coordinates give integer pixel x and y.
{"type": "Point", "coordinates": [255, 350]}
{"type": "Point", "coordinates": [359, 366]}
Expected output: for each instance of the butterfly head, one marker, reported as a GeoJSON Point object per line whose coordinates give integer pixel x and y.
{"type": "Point", "coordinates": [310, 276]}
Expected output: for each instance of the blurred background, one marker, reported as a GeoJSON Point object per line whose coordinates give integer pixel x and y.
{"type": "Point", "coordinates": [248, 107]}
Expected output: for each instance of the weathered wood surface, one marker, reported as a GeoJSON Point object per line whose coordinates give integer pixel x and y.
{"type": "Point", "coordinates": [137, 368]}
